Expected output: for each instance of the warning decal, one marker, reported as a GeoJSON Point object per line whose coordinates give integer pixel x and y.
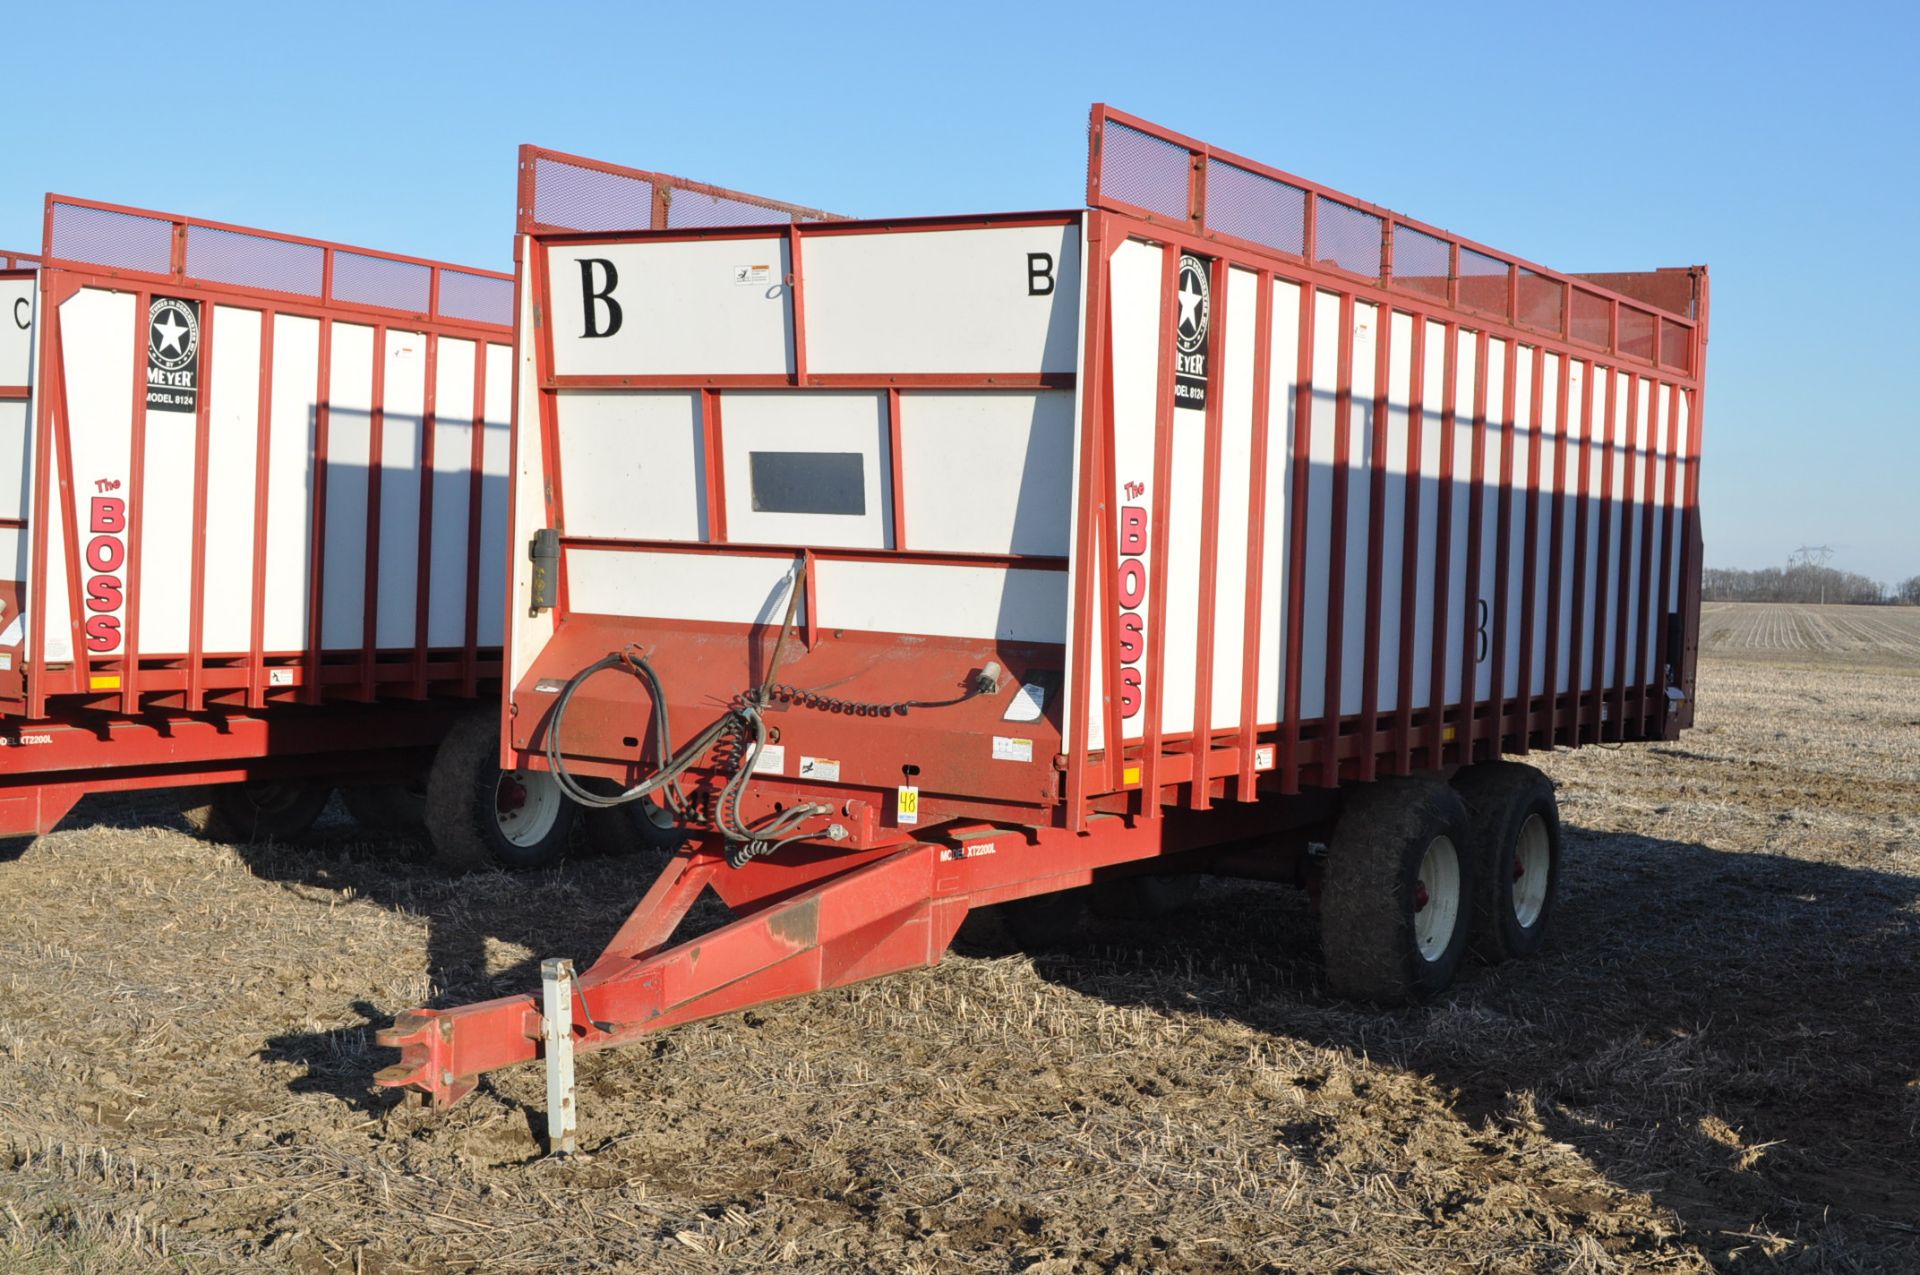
{"type": "Point", "coordinates": [173, 355]}
{"type": "Point", "coordinates": [1193, 291]}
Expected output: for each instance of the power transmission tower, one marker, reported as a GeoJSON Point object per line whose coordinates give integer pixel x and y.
{"type": "Point", "coordinates": [1816, 556]}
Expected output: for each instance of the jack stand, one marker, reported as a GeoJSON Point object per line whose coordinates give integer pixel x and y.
{"type": "Point", "coordinates": [556, 1034]}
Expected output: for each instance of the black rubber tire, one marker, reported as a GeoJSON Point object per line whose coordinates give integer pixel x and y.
{"type": "Point", "coordinates": [1143, 898]}
{"type": "Point", "coordinates": [1501, 797]}
{"type": "Point", "coordinates": [463, 789]}
{"type": "Point", "coordinates": [271, 810]}
{"type": "Point", "coordinates": [641, 827]}
{"type": "Point", "coordinates": [395, 807]}
{"type": "Point", "coordinates": [1371, 898]}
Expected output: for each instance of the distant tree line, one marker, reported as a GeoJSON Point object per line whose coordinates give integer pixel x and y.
{"type": "Point", "coordinates": [1804, 583]}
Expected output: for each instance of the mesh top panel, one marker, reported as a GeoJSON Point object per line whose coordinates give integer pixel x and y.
{"type": "Point", "coordinates": [1346, 237]}
{"type": "Point", "coordinates": [1636, 333]}
{"type": "Point", "coordinates": [1674, 346]}
{"type": "Point", "coordinates": [224, 256]}
{"type": "Point", "coordinates": [114, 239]}
{"type": "Point", "coordinates": [1592, 316]}
{"type": "Point", "coordinates": [1483, 282]}
{"type": "Point", "coordinates": [476, 297]}
{"type": "Point", "coordinates": [1143, 170]}
{"type": "Point", "coordinates": [392, 285]}
{"type": "Point", "coordinates": [693, 210]}
{"type": "Point", "coordinates": [1421, 262]}
{"type": "Point", "coordinates": [1539, 301]}
{"type": "Point", "coordinates": [576, 198]}
{"type": "Point", "coordinates": [1251, 206]}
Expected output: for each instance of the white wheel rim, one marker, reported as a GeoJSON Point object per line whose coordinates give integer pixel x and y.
{"type": "Point", "coordinates": [1436, 899]}
{"type": "Point", "coordinates": [1532, 871]}
{"type": "Point", "coordinates": [526, 806]}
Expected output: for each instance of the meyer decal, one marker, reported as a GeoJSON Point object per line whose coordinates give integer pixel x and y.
{"type": "Point", "coordinates": [173, 355]}
{"type": "Point", "coordinates": [1194, 291]}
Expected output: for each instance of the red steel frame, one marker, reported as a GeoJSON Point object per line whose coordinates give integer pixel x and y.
{"type": "Point", "coordinates": [812, 917]}
{"type": "Point", "coordinates": [173, 695]}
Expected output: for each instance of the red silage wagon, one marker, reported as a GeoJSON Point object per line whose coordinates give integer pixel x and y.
{"type": "Point", "coordinates": [251, 528]}
{"type": "Point", "coordinates": [1225, 524]}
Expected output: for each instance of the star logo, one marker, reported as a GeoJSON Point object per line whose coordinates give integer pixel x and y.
{"type": "Point", "coordinates": [1192, 291]}
{"type": "Point", "coordinates": [173, 337]}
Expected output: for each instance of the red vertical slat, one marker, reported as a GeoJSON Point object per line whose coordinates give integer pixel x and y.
{"type": "Point", "coordinates": [423, 571]}
{"type": "Point", "coordinates": [136, 513]}
{"type": "Point", "coordinates": [376, 468]}
{"type": "Point", "coordinates": [476, 494]}
{"type": "Point", "coordinates": [1289, 761]}
{"type": "Point", "coordinates": [1662, 654]}
{"type": "Point", "coordinates": [1253, 618]}
{"type": "Point", "coordinates": [1376, 546]}
{"type": "Point", "coordinates": [1577, 630]}
{"type": "Point", "coordinates": [1336, 631]}
{"type": "Point", "coordinates": [1642, 644]}
{"type": "Point", "coordinates": [1503, 548]}
{"type": "Point", "coordinates": [1476, 499]}
{"type": "Point", "coordinates": [716, 466]}
{"type": "Point", "coordinates": [1160, 497]}
{"type": "Point", "coordinates": [1443, 548]}
{"type": "Point", "coordinates": [262, 461]}
{"type": "Point", "coordinates": [197, 579]}
{"type": "Point", "coordinates": [1556, 555]}
{"type": "Point", "coordinates": [1623, 587]}
{"type": "Point", "coordinates": [1410, 564]}
{"type": "Point", "coordinates": [796, 284]}
{"type": "Point", "coordinates": [1200, 797]}
{"type": "Point", "coordinates": [1094, 497]}
{"type": "Point", "coordinates": [1603, 560]}
{"type": "Point", "coordinates": [317, 550]}
{"type": "Point", "coordinates": [1530, 550]}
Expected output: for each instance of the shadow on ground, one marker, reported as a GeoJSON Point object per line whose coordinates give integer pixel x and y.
{"type": "Point", "coordinates": [1737, 1034]}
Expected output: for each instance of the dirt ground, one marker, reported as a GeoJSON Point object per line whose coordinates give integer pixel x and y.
{"type": "Point", "coordinates": [1716, 1064]}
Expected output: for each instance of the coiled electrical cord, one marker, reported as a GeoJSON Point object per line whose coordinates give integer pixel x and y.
{"type": "Point", "coordinates": [736, 738]}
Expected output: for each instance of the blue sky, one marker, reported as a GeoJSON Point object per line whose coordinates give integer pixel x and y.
{"type": "Point", "coordinates": [1776, 143]}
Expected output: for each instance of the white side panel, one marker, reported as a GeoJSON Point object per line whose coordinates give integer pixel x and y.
{"type": "Point", "coordinates": [452, 494]}
{"type": "Point", "coordinates": [1353, 630]}
{"type": "Point", "coordinates": [1616, 557]}
{"type": "Point", "coordinates": [233, 455]}
{"type": "Point", "coordinates": [1520, 521]}
{"type": "Point", "coordinates": [1484, 615]}
{"type": "Point", "coordinates": [715, 588]}
{"type": "Point", "coordinates": [1230, 540]}
{"type": "Point", "coordinates": [1570, 522]}
{"type": "Point", "coordinates": [401, 450]}
{"type": "Point", "coordinates": [1683, 447]}
{"type": "Point", "coordinates": [1427, 565]}
{"type": "Point", "coordinates": [1320, 447]}
{"type": "Point", "coordinates": [633, 464]}
{"type": "Point", "coordinates": [729, 313]}
{"type": "Point", "coordinates": [17, 300]}
{"type": "Point", "coordinates": [986, 472]}
{"type": "Point", "coordinates": [1393, 522]}
{"type": "Point", "coordinates": [988, 300]}
{"type": "Point", "coordinates": [1135, 281]}
{"type": "Point", "coordinates": [349, 438]}
{"type": "Point", "coordinates": [943, 601]}
{"type": "Point", "coordinates": [1283, 371]}
{"type": "Point", "coordinates": [495, 458]}
{"type": "Point", "coordinates": [1546, 598]}
{"type": "Point", "coordinates": [290, 481]}
{"type": "Point", "coordinates": [97, 328]}
{"type": "Point", "coordinates": [852, 423]}
{"type": "Point", "coordinates": [530, 630]}
{"type": "Point", "coordinates": [1598, 432]}
{"type": "Point", "coordinates": [1462, 610]}
{"type": "Point", "coordinates": [165, 569]}
{"type": "Point", "coordinates": [1186, 493]}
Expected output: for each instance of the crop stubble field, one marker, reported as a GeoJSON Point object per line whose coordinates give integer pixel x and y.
{"type": "Point", "coordinates": [1717, 1064]}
